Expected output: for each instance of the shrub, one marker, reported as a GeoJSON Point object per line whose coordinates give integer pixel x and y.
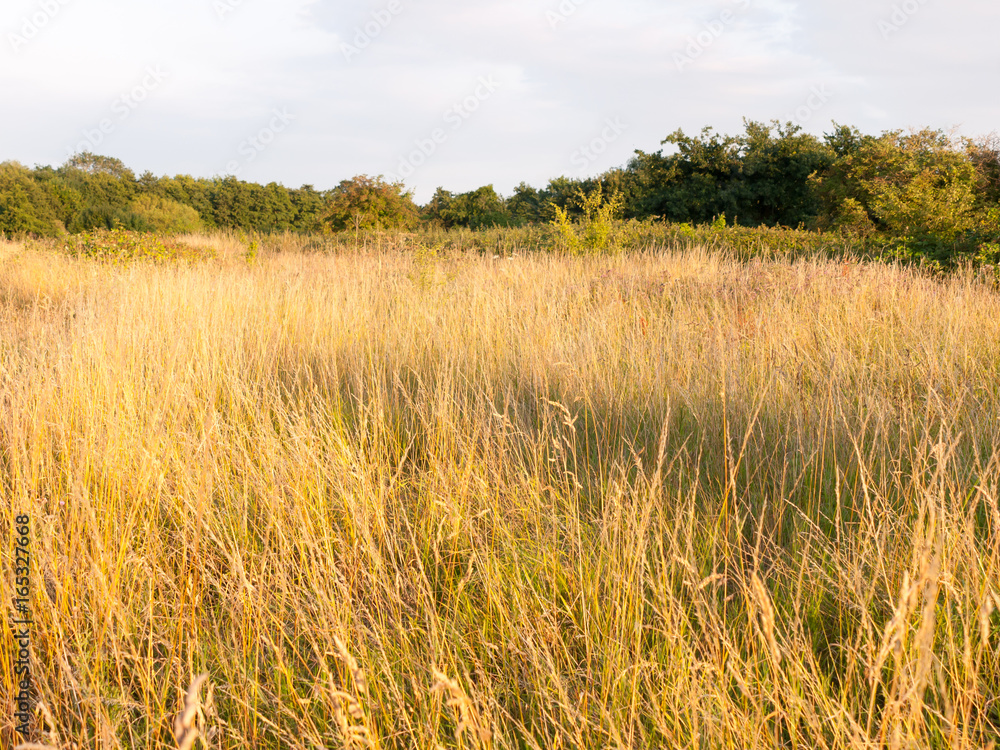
{"type": "Point", "coordinates": [167, 216]}
{"type": "Point", "coordinates": [120, 245]}
{"type": "Point", "coordinates": [595, 231]}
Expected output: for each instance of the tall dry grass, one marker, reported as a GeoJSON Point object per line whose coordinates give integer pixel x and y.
{"type": "Point", "coordinates": [395, 500]}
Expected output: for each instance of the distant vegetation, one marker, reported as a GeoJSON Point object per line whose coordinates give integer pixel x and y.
{"type": "Point", "coordinates": [918, 195]}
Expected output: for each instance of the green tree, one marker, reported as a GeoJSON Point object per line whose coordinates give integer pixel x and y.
{"type": "Point", "coordinates": [984, 153]}
{"type": "Point", "coordinates": [101, 180]}
{"type": "Point", "coordinates": [273, 210]}
{"type": "Point", "coordinates": [369, 203]}
{"type": "Point", "coordinates": [232, 205]}
{"type": "Point", "coordinates": [438, 208]}
{"type": "Point", "coordinates": [24, 205]}
{"type": "Point", "coordinates": [307, 205]}
{"type": "Point", "coordinates": [697, 183]}
{"type": "Point", "coordinates": [65, 200]}
{"type": "Point", "coordinates": [191, 191]}
{"type": "Point", "coordinates": [563, 192]}
{"type": "Point", "coordinates": [525, 206]}
{"type": "Point", "coordinates": [775, 187]}
{"type": "Point", "coordinates": [97, 164]}
{"type": "Point", "coordinates": [759, 177]}
{"type": "Point", "coordinates": [106, 188]}
{"type": "Point", "coordinates": [476, 209]}
{"type": "Point", "coordinates": [919, 187]}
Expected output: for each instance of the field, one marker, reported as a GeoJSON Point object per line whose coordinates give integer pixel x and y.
{"type": "Point", "coordinates": [412, 498]}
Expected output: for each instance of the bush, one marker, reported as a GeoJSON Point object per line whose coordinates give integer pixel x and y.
{"type": "Point", "coordinates": [119, 245]}
{"type": "Point", "coordinates": [595, 232]}
{"type": "Point", "coordinates": [166, 216]}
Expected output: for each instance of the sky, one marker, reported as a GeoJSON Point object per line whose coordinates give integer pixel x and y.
{"type": "Point", "coordinates": [464, 94]}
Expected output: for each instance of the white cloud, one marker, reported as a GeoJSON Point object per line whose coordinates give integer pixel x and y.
{"type": "Point", "coordinates": [558, 84]}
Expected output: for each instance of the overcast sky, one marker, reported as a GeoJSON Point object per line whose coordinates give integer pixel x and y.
{"type": "Point", "coordinates": [463, 94]}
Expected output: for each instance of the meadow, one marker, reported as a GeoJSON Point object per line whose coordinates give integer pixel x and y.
{"type": "Point", "coordinates": [411, 496]}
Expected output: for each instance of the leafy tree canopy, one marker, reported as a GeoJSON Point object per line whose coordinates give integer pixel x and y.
{"type": "Point", "coordinates": [369, 203]}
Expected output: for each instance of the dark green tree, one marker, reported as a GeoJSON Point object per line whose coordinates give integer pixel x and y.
{"type": "Point", "coordinates": [231, 203]}
{"type": "Point", "coordinates": [774, 187]}
{"type": "Point", "coordinates": [525, 206]}
{"type": "Point", "coordinates": [438, 208]}
{"type": "Point", "coordinates": [697, 183]}
{"type": "Point", "coordinates": [476, 209]}
{"type": "Point", "coordinates": [308, 205]}
{"type": "Point", "coordinates": [106, 188]}
{"type": "Point", "coordinates": [564, 193]}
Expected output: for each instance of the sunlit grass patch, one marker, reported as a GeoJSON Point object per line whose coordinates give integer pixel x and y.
{"type": "Point", "coordinates": [416, 496]}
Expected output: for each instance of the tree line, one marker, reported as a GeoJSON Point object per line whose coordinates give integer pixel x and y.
{"type": "Point", "coordinates": [933, 193]}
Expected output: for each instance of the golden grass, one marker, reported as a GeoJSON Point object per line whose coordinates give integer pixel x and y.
{"type": "Point", "coordinates": [397, 500]}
